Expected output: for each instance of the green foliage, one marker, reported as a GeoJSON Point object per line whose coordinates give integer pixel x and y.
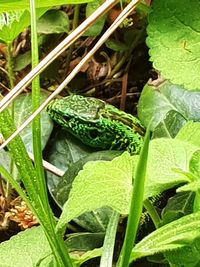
{"type": "Point", "coordinates": [137, 197]}
{"type": "Point", "coordinates": [172, 236]}
{"type": "Point", "coordinates": [22, 61]}
{"type": "Point", "coordinates": [168, 166]}
{"type": "Point", "coordinates": [12, 23]}
{"type": "Point", "coordinates": [35, 193]}
{"type": "Point", "coordinates": [187, 256]}
{"type": "Point", "coordinates": [94, 184]}
{"type": "Point", "coordinates": [116, 45]}
{"type": "Point", "coordinates": [53, 21]}
{"type": "Point", "coordinates": [64, 150]}
{"type": "Point", "coordinates": [31, 248]}
{"type": "Point", "coordinates": [62, 189]}
{"type": "Point", "coordinates": [22, 111]}
{"type": "Point", "coordinates": [95, 29]}
{"type": "Point", "coordinates": [157, 101]}
{"type": "Point", "coordinates": [7, 5]}
{"type": "Point", "coordinates": [24, 249]}
{"type": "Point", "coordinates": [190, 133]}
{"type": "Point", "coordinates": [174, 41]}
{"type": "Point", "coordinates": [178, 206]}
{"type": "Point", "coordinates": [97, 178]}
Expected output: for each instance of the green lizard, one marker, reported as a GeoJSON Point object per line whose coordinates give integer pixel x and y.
{"type": "Point", "coordinates": [97, 123]}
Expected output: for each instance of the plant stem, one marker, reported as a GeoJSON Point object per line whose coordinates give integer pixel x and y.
{"type": "Point", "coordinates": [36, 129]}
{"type": "Point", "coordinates": [152, 212]}
{"type": "Point", "coordinates": [136, 205]}
{"type": "Point", "coordinates": [10, 65]}
{"type": "Point", "coordinates": [57, 244]}
{"type": "Point", "coordinates": [10, 72]}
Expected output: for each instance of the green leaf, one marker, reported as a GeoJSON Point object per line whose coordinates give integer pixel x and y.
{"type": "Point", "coordinates": [178, 206]}
{"type": "Point", "coordinates": [7, 5]}
{"type": "Point", "coordinates": [156, 102]}
{"type": "Point", "coordinates": [24, 249]}
{"type": "Point", "coordinates": [195, 164]}
{"type": "Point", "coordinates": [195, 170]}
{"type": "Point", "coordinates": [5, 159]}
{"type": "Point", "coordinates": [190, 133]}
{"type": "Point", "coordinates": [187, 256]}
{"type": "Point", "coordinates": [173, 236]}
{"type": "Point", "coordinates": [170, 125]}
{"type": "Point", "coordinates": [64, 150]}
{"type": "Point", "coordinates": [78, 260]}
{"type": "Point", "coordinates": [174, 41]}
{"type": "Point", "coordinates": [84, 241]}
{"type": "Point", "coordinates": [136, 203]}
{"type": "Point", "coordinates": [30, 248]}
{"type": "Point", "coordinates": [23, 110]}
{"type": "Point", "coordinates": [14, 22]}
{"type": "Point", "coordinates": [96, 181]}
{"type": "Point", "coordinates": [22, 106]}
{"type": "Point", "coordinates": [94, 221]}
{"type": "Point", "coordinates": [116, 45]}
{"type": "Point", "coordinates": [53, 21]}
{"type": "Point", "coordinates": [168, 164]}
{"type": "Point", "coordinates": [22, 61]}
{"type": "Point", "coordinates": [61, 191]}
{"type": "Point", "coordinates": [97, 27]}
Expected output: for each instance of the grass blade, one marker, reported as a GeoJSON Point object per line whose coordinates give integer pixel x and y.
{"type": "Point", "coordinates": [136, 204]}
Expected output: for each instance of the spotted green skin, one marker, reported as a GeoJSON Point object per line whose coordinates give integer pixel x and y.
{"type": "Point", "coordinates": [97, 124]}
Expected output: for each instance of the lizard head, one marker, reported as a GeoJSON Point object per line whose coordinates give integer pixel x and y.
{"type": "Point", "coordinates": [81, 116]}
{"type": "Point", "coordinates": [75, 106]}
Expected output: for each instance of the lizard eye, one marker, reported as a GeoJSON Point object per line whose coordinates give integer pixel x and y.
{"type": "Point", "coordinates": [94, 133]}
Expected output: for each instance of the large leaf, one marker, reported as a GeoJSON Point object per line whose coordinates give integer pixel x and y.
{"type": "Point", "coordinates": [94, 221]}
{"type": "Point", "coordinates": [190, 133]}
{"type": "Point", "coordinates": [174, 40]}
{"type": "Point", "coordinates": [24, 249]}
{"type": "Point", "coordinates": [100, 183]}
{"type": "Point", "coordinates": [175, 235]}
{"type": "Point", "coordinates": [30, 248]}
{"type": "Point", "coordinates": [62, 190]}
{"type": "Point", "coordinates": [168, 165]}
{"type": "Point", "coordinates": [7, 5]}
{"type": "Point", "coordinates": [187, 256]}
{"type": "Point", "coordinates": [156, 102]}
